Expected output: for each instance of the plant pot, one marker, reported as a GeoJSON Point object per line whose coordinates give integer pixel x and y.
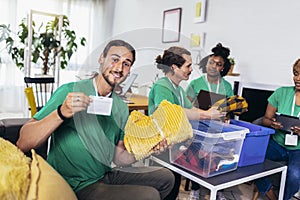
{"type": "Point", "coordinates": [231, 69]}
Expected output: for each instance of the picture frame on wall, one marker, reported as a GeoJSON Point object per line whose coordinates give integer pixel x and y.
{"type": "Point", "coordinates": [197, 40]}
{"type": "Point", "coordinates": [200, 11]}
{"type": "Point", "coordinates": [171, 25]}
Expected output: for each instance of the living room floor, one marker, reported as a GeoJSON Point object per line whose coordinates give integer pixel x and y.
{"type": "Point", "coordinates": [241, 192]}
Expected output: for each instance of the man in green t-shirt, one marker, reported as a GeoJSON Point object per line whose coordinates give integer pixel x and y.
{"type": "Point", "coordinates": [176, 63]}
{"type": "Point", "coordinates": [86, 121]}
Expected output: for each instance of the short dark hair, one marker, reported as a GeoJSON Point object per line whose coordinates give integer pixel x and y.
{"type": "Point", "coordinates": [171, 56]}
{"type": "Point", "coordinates": [117, 43]}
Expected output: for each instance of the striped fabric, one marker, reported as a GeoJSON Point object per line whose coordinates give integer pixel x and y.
{"type": "Point", "coordinates": [143, 133]}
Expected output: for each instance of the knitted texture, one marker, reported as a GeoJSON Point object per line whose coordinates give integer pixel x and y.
{"type": "Point", "coordinates": [143, 133]}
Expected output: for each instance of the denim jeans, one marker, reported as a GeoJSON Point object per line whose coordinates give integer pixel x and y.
{"type": "Point", "coordinates": [276, 152]}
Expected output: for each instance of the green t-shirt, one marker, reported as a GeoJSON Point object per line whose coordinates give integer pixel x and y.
{"type": "Point", "coordinates": [82, 147]}
{"type": "Point", "coordinates": [163, 89]}
{"type": "Point", "coordinates": [282, 99]}
{"type": "Point", "coordinates": [200, 83]}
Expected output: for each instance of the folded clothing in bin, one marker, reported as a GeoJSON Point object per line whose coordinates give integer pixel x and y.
{"type": "Point", "coordinates": [214, 149]}
{"type": "Point", "coordinates": [204, 162]}
{"type": "Point", "coordinates": [255, 144]}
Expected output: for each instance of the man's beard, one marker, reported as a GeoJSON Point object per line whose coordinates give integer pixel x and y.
{"type": "Point", "coordinates": [107, 81]}
{"type": "Point", "coordinates": [113, 85]}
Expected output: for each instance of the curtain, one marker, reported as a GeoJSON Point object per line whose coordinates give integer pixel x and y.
{"type": "Point", "coordinates": [91, 19]}
{"type": "Point", "coordinates": [94, 20]}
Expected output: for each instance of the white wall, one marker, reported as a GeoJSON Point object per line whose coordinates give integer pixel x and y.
{"type": "Point", "coordinates": [263, 35]}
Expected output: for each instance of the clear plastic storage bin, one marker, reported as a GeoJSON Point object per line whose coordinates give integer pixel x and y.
{"type": "Point", "coordinates": [214, 149]}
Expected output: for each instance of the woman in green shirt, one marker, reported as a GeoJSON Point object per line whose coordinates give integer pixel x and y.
{"type": "Point", "coordinates": [215, 66]}
{"type": "Point", "coordinates": [285, 100]}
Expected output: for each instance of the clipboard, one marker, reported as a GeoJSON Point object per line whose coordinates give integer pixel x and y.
{"type": "Point", "coordinates": [287, 121]}
{"type": "Point", "coordinates": [206, 99]}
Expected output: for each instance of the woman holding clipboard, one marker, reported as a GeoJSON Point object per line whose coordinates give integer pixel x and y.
{"type": "Point", "coordinates": [284, 146]}
{"type": "Point", "coordinates": [214, 66]}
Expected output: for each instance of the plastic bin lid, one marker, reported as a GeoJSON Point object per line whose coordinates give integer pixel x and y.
{"type": "Point", "coordinates": [255, 130]}
{"type": "Point", "coordinates": [217, 129]}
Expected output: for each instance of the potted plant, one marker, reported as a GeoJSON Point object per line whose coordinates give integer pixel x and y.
{"type": "Point", "coordinates": [232, 62]}
{"type": "Point", "coordinates": [45, 45]}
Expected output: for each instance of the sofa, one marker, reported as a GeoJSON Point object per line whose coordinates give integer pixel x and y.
{"type": "Point", "coordinates": [27, 176]}
{"type": "Point", "coordinates": [9, 130]}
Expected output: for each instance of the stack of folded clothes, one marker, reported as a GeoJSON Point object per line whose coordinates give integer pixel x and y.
{"type": "Point", "coordinates": [143, 133]}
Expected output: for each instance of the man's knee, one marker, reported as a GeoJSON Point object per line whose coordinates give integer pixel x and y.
{"type": "Point", "coordinates": [169, 177]}
{"type": "Point", "coordinates": [148, 193]}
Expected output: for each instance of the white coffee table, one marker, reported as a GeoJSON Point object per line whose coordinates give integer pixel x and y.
{"type": "Point", "coordinates": [229, 179]}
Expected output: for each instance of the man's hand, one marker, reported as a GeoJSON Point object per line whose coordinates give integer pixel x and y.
{"type": "Point", "coordinates": [214, 113]}
{"type": "Point", "coordinates": [161, 147]}
{"type": "Point", "coordinates": [75, 102]}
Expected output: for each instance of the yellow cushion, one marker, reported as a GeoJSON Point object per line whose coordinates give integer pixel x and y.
{"type": "Point", "coordinates": [14, 172]}
{"type": "Point", "coordinates": [46, 183]}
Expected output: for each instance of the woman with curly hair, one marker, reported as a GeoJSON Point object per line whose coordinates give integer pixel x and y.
{"type": "Point", "coordinates": [215, 66]}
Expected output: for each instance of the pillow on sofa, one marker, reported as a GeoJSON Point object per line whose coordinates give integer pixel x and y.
{"type": "Point", "coordinates": [14, 172]}
{"type": "Point", "coordinates": [46, 183]}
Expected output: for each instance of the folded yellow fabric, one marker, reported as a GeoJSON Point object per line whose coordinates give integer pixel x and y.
{"type": "Point", "coordinates": [143, 133]}
{"type": "Point", "coordinates": [14, 172]}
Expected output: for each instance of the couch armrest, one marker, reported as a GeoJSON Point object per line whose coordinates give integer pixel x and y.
{"type": "Point", "coordinates": [9, 130]}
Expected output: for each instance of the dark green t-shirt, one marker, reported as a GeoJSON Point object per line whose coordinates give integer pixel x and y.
{"type": "Point", "coordinates": [282, 99]}
{"type": "Point", "coordinates": [82, 147]}
{"type": "Point", "coordinates": [200, 83]}
{"type": "Point", "coordinates": [163, 89]}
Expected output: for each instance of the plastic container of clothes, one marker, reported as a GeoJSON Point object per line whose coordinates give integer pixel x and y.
{"type": "Point", "coordinates": [214, 149]}
{"type": "Point", "coordinates": [255, 144]}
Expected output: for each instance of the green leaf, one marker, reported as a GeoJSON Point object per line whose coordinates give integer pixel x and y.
{"type": "Point", "coordinates": [83, 41]}
{"type": "Point", "coordinates": [44, 41]}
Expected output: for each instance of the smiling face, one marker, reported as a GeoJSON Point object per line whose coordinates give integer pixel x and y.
{"type": "Point", "coordinates": [296, 77]}
{"type": "Point", "coordinates": [116, 65]}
